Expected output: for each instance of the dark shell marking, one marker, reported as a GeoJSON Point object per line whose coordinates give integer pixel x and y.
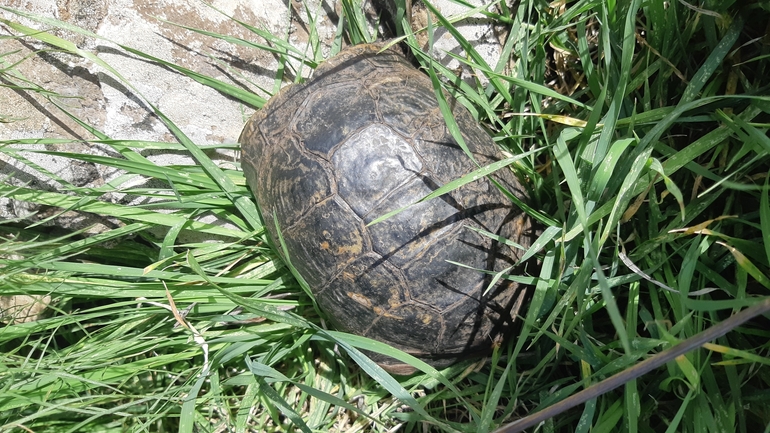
{"type": "Point", "coordinates": [361, 138]}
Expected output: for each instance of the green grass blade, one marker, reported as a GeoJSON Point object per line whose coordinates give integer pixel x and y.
{"type": "Point", "coordinates": [382, 377]}
{"type": "Point", "coordinates": [713, 62]}
{"type": "Point", "coordinates": [457, 183]}
{"type": "Point", "coordinates": [225, 88]}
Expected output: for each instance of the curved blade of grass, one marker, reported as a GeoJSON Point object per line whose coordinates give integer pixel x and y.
{"type": "Point", "coordinates": [524, 84]}
{"type": "Point", "coordinates": [457, 183]}
{"type": "Point", "coordinates": [713, 62]}
{"type": "Point", "coordinates": [385, 349]}
{"type": "Point", "coordinates": [678, 160]}
{"type": "Point", "coordinates": [549, 234]}
{"type": "Point", "coordinates": [263, 370]}
{"type": "Point", "coordinates": [73, 247]}
{"type": "Point", "coordinates": [134, 144]}
{"type": "Point", "coordinates": [187, 411]}
{"type": "Point", "coordinates": [540, 243]}
{"type": "Point", "coordinates": [272, 395]}
{"type": "Point", "coordinates": [621, 81]}
{"type": "Point", "coordinates": [255, 305]}
{"type": "Point", "coordinates": [747, 265]}
{"type": "Point", "coordinates": [603, 173]}
{"type": "Point", "coordinates": [629, 186]}
{"type": "Point", "coordinates": [764, 215]}
{"type": "Point", "coordinates": [105, 286]}
{"type": "Point", "coordinates": [357, 25]}
{"type": "Point", "coordinates": [491, 402]}
{"type": "Point", "coordinates": [465, 93]}
{"type": "Point", "coordinates": [287, 259]}
{"type": "Point", "coordinates": [242, 95]}
{"type": "Point", "coordinates": [696, 84]}
{"type": "Point", "coordinates": [570, 174]}
{"type": "Point", "coordinates": [656, 166]}
{"type": "Point", "coordinates": [36, 389]}
{"type": "Point", "coordinates": [381, 376]}
{"type": "Point", "coordinates": [478, 9]}
{"type": "Point", "coordinates": [245, 205]}
{"type": "Point", "coordinates": [144, 168]}
{"type": "Point", "coordinates": [114, 210]}
{"type": "Point", "coordinates": [538, 298]}
{"type": "Point", "coordinates": [446, 112]}
{"type": "Point", "coordinates": [285, 49]}
{"type": "Point", "coordinates": [735, 353]}
{"type": "Point", "coordinates": [469, 50]}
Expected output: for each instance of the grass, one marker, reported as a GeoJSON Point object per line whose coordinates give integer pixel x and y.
{"type": "Point", "coordinates": [649, 176]}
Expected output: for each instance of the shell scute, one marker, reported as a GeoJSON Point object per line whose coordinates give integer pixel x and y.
{"type": "Point", "coordinates": [324, 240]}
{"type": "Point", "coordinates": [423, 323]}
{"type": "Point", "coordinates": [291, 200]}
{"type": "Point", "coordinates": [372, 163]}
{"type": "Point", "coordinates": [403, 236]}
{"type": "Point", "coordinates": [321, 134]}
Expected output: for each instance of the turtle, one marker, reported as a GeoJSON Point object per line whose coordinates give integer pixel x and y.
{"type": "Point", "coordinates": [361, 138]}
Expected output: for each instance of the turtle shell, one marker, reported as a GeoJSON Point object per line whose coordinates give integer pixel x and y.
{"type": "Point", "coordinates": [364, 136]}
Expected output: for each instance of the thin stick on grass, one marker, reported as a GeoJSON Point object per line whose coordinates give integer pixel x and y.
{"type": "Point", "coordinates": [640, 369]}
